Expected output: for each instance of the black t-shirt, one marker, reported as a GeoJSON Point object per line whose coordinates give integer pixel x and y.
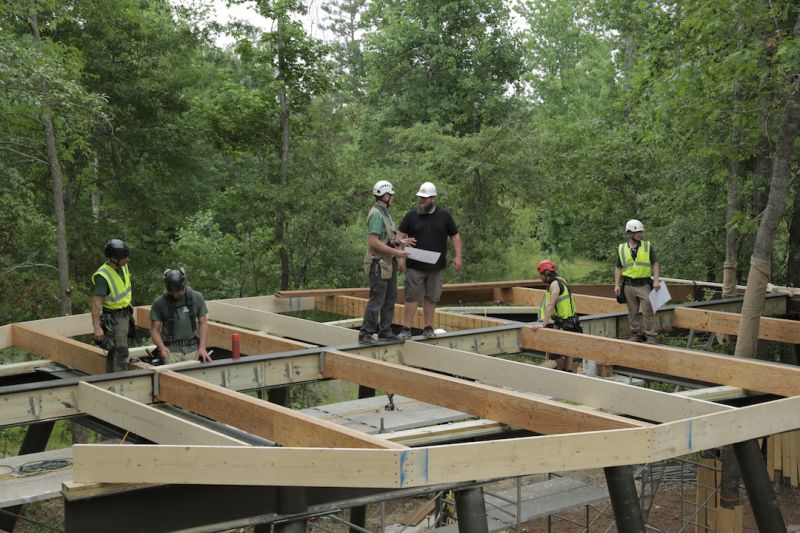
{"type": "Point", "coordinates": [431, 232]}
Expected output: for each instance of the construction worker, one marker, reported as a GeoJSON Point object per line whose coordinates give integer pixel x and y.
{"type": "Point", "coordinates": [557, 308]}
{"type": "Point", "coordinates": [380, 264]}
{"type": "Point", "coordinates": [179, 321]}
{"type": "Point", "coordinates": [430, 226]}
{"type": "Point", "coordinates": [636, 273]}
{"type": "Point", "coordinates": [112, 314]}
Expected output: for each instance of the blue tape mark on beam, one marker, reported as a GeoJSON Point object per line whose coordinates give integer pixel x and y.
{"type": "Point", "coordinates": [690, 434]}
{"type": "Point", "coordinates": [406, 463]}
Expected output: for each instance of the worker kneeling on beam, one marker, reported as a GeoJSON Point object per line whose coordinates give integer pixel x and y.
{"type": "Point", "coordinates": [179, 321]}
{"type": "Point", "coordinates": [557, 308]}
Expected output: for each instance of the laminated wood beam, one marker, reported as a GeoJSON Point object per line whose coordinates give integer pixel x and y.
{"type": "Point", "coordinates": [484, 401]}
{"type": "Point", "coordinates": [607, 395]}
{"type": "Point", "coordinates": [273, 304]}
{"type": "Point", "coordinates": [26, 367]}
{"type": "Point", "coordinates": [585, 305]}
{"type": "Point", "coordinates": [282, 325]}
{"type": "Point", "coordinates": [363, 292]}
{"type": "Point", "coordinates": [250, 342]}
{"type": "Point", "coordinates": [352, 306]}
{"type": "Point", "coordinates": [774, 378]}
{"type": "Point", "coordinates": [146, 421]}
{"type": "Point", "coordinates": [430, 465]}
{"type": "Point", "coordinates": [274, 422]}
{"type": "Point", "coordinates": [770, 329]}
{"type": "Point", "coordinates": [63, 350]}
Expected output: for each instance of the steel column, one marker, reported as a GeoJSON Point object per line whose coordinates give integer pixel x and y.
{"type": "Point", "coordinates": [759, 487]}
{"type": "Point", "coordinates": [624, 499]}
{"type": "Point", "coordinates": [35, 440]}
{"type": "Point", "coordinates": [471, 511]}
{"type": "Point", "coordinates": [292, 500]}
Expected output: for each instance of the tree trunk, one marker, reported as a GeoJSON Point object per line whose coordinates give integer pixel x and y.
{"type": "Point", "coordinates": [793, 268]}
{"type": "Point", "coordinates": [729, 278]}
{"type": "Point", "coordinates": [280, 233]}
{"type": "Point", "coordinates": [761, 260]}
{"type": "Point", "coordinates": [58, 188]}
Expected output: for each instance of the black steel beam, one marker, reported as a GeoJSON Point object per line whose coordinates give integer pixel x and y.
{"type": "Point", "coordinates": [759, 487]}
{"type": "Point", "coordinates": [624, 499]}
{"type": "Point", "coordinates": [471, 511]}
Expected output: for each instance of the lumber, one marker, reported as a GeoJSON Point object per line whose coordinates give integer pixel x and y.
{"type": "Point", "coordinates": [352, 306]}
{"type": "Point", "coordinates": [363, 292]}
{"type": "Point", "coordinates": [429, 465]}
{"type": "Point", "coordinates": [63, 350]}
{"type": "Point", "coordinates": [585, 305]}
{"type": "Point", "coordinates": [608, 395]}
{"type": "Point", "coordinates": [762, 376]}
{"type": "Point", "coordinates": [280, 325]}
{"type": "Point", "coordinates": [146, 421]}
{"type": "Point", "coordinates": [25, 367]}
{"type": "Point", "coordinates": [484, 401]}
{"type": "Point", "coordinates": [274, 422]}
{"type": "Point", "coordinates": [771, 329]}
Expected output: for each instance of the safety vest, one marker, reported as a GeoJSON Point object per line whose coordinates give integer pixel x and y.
{"type": "Point", "coordinates": [565, 305]}
{"type": "Point", "coordinates": [641, 267]}
{"type": "Point", "coordinates": [119, 288]}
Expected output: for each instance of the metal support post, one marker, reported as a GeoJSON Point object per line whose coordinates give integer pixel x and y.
{"type": "Point", "coordinates": [279, 395]}
{"type": "Point", "coordinates": [759, 487]}
{"type": "Point", "coordinates": [36, 437]}
{"type": "Point", "coordinates": [624, 499]}
{"type": "Point", "coordinates": [471, 511]}
{"type": "Point", "coordinates": [292, 500]}
{"type": "Point", "coordinates": [358, 517]}
{"type": "Point", "coordinates": [365, 392]}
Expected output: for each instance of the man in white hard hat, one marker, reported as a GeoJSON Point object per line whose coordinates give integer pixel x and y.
{"type": "Point", "coordinates": [430, 226]}
{"type": "Point", "coordinates": [380, 264]}
{"type": "Point", "coordinates": [637, 272]}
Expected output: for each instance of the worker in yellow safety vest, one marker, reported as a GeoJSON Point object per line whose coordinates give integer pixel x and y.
{"type": "Point", "coordinates": [557, 308]}
{"type": "Point", "coordinates": [112, 314]}
{"type": "Point", "coordinates": [636, 273]}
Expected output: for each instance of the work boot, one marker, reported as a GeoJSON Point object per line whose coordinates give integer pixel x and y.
{"type": "Point", "coordinates": [405, 334]}
{"type": "Point", "coordinates": [636, 337]}
{"type": "Point", "coordinates": [428, 333]}
{"type": "Point", "coordinates": [366, 339]}
{"type": "Point", "coordinates": [387, 336]}
{"type": "Point", "coordinates": [651, 340]}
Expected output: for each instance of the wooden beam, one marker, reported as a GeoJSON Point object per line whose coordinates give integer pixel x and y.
{"type": "Point", "coordinates": [63, 350]}
{"type": "Point", "coordinates": [271, 421]}
{"type": "Point", "coordinates": [363, 292]}
{"type": "Point", "coordinates": [146, 421]}
{"type": "Point", "coordinates": [25, 367]}
{"type": "Point", "coordinates": [430, 465]}
{"type": "Point", "coordinates": [484, 401]}
{"type": "Point", "coordinates": [771, 329]}
{"type": "Point", "coordinates": [607, 395]}
{"type": "Point", "coordinates": [352, 306]}
{"type": "Point", "coordinates": [775, 378]}
{"type": "Point", "coordinates": [281, 325]}
{"type": "Point", "coordinates": [585, 305]}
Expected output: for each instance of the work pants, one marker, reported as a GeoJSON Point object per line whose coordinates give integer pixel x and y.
{"type": "Point", "coordinates": [638, 300]}
{"type": "Point", "coordinates": [379, 313]}
{"type": "Point", "coordinates": [116, 328]}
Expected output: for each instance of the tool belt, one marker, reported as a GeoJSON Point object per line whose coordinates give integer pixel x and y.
{"type": "Point", "coordinates": [184, 342]}
{"type": "Point", "coordinates": [386, 265]}
{"type": "Point", "coordinates": [638, 281]}
{"type": "Point", "coordinates": [572, 323]}
{"type": "Point", "coordinates": [125, 311]}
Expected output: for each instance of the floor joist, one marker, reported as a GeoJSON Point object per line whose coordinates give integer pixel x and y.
{"type": "Point", "coordinates": [430, 465]}
{"type": "Point", "coordinates": [770, 329]}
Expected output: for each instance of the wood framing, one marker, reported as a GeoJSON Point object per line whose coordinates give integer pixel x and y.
{"type": "Point", "coordinates": [274, 422]}
{"type": "Point", "coordinates": [586, 305]}
{"type": "Point", "coordinates": [485, 401]}
{"type": "Point", "coordinates": [69, 352]}
{"type": "Point", "coordinates": [770, 329]}
{"type": "Point", "coordinates": [774, 378]}
{"type": "Point", "coordinates": [352, 306]}
{"type": "Point", "coordinates": [431, 465]}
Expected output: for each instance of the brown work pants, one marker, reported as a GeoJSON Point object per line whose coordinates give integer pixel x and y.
{"type": "Point", "coordinates": [638, 297]}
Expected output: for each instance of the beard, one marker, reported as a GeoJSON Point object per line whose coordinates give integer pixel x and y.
{"type": "Point", "coordinates": [425, 209]}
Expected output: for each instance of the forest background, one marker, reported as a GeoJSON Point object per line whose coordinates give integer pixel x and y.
{"type": "Point", "coordinates": [545, 125]}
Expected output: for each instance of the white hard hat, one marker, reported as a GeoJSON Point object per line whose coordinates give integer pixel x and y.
{"type": "Point", "coordinates": [439, 331]}
{"type": "Point", "coordinates": [426, 190]}
{"type": "Point", "coordinates": [382, 187]}
{"type": "Point", "coordinates": [633, 226]}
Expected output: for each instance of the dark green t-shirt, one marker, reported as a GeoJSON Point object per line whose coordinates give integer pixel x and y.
{"type": "Point", "coordinates": [160, 310]}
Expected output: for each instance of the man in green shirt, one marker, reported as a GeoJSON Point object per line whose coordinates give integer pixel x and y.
{"type": "Point", "coordinates": [179, 321]}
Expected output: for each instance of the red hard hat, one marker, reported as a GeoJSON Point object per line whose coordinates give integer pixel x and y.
{"type": "Point", "coordinates": [547, 264]}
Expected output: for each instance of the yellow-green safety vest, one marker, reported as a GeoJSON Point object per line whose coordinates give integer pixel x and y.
{"type": "Point", "coordinates": [565, 305]}
{"type": "Point", "coordinates": [641, 267]}
{"type": "Point", "coordinates": [119, 288]}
